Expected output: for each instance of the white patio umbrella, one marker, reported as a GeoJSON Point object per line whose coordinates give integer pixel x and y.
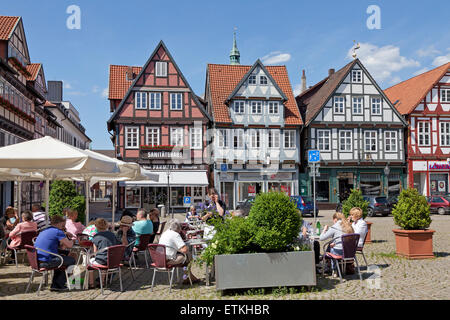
{"type": "Point", "coordinates": [54, 159]}
{"type": "Point", "coordinates": [128, 171]}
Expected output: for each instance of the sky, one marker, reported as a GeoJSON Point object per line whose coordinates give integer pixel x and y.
{"type": "Point", "coordinates": [398, 40]}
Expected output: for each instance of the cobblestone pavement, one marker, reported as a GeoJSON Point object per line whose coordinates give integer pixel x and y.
{"type": "Point", "coordinates": [399, 278]}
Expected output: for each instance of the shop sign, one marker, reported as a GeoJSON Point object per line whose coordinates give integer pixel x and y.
{"type": "Point", "coordinates": [281, 176]}
{"type": "Point", "coordinates": [438, 165]}
{"type": "Point", "coordinates": [251, 191]}
{"type": "Point", "coordinates": [441, 186]}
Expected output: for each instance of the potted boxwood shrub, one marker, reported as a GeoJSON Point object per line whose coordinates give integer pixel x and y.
{"type": "Point", "coordinates": [356, 199]}
{"type": "Point", "coordinates": [412, 215]}
{"type": "Point", "coordinates": [261, 250]}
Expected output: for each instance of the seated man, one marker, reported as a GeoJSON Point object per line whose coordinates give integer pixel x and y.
{"type": "Point", "coordinates": [142, 225]}
{"type": "Point", "coordinates": [176, 249]}
{"type": "Point", "coordinates": [49, 240]}
{"type": "Point", "coordinates": [39, 217]}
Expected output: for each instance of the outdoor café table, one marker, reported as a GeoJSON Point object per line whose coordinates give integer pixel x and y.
{"type": "Point", "coordinates": [195, 242]}
{"type": "Point", "coordinates": [85, 247]}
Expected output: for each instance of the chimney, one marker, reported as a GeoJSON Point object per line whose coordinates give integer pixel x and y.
{"type": "Point", "coordinates": [130, 74]}
{"type": "Point", "coordinates": [303, 81]}
{"type": "Point", "coordinates": [330, 72]}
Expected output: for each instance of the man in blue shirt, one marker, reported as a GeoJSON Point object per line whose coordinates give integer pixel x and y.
{"type": "Point", "coordinates": [142, 225]}
{"type": "Point", "coordinates": [50, 239]}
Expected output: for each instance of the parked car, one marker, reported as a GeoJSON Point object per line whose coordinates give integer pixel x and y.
{"type": "Point", "coordinates": [305, 205]}
{"type": "Point", "coordinates": [392, 201]}
{"type": "Point", "coordinates": [246, 205]}
{"type": "Point", "coordinates": [439, 204]}
{"type": "Point", "coordinates": [377, 205]}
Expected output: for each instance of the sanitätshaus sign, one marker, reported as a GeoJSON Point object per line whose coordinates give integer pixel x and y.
{"type": "Point", "coordinates": [438, 165]}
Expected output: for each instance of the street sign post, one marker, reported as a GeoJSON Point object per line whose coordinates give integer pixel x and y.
{"type": "Point", "coordinates": [187, 201]}
{"type": "Point", "coordinates": [313, 162]}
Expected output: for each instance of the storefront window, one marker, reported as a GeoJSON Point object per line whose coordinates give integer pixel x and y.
{"type": "Point", "coordinates": [132, 197]}
{"type": "Point", "coordinates": [322, 188]}
{"type": "Point", "coordinates": [438, 183]}
{"type": "Point", "coordinates": [370, 184]}
{"type": "Point", "coordinates": [285, 187]}
{"type": "Point", "coordinates": [249, 190]}
{"type": "Point", "coordinates": [394, 184]}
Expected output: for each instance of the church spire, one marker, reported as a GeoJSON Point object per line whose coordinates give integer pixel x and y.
{"type": "Point", "coordinates": [234, 54]}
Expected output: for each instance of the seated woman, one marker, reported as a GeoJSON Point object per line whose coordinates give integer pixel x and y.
{"type": "Point", "coordinates": [358, 225]}
{"type": "Point", "coordinates": [73, 227]}
{"type": "Point", "coordinates": [125, 235]}
{"type": "Point", "coordinates": [10, 220]}
{"type": "Point", "coordinates": [102, 239]}
{"type": "Point", "coordinates": [340, 226]}
{"type": "Point", "coordinates": [192, 214]}
{"type": "Point", "coordinates": [27, 225]}
{"type": "Point", "coordinates": [177, 252]}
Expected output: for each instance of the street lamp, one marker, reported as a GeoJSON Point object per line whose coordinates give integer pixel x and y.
{"type": "Point", "coordinates": [387, 170]}
{"type": "Point", "coordinates": [168, 191]}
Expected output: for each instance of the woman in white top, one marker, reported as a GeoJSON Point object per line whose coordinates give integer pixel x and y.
{"type": "Point", "coordinates": [176, 248]}
{"type": "Point", "coordinates": [359, 225]}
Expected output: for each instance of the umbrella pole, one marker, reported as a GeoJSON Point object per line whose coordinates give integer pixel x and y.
{"type": "Point", "coordinates": [113, 203]}
{"type": "Point", "coordinates": [19, 197]}
{"type": "Point", "coordinates": [47, 196]}
{"type": "Point", "coordinates": [87, 201]}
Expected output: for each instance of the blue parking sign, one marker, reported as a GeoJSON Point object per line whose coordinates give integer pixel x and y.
{"type": "Point", "coordinates": [223, 167]}
{"type": "Point", "coordinates": [313, 156]}
{"type": "Point", "coordinates": [186, 201]}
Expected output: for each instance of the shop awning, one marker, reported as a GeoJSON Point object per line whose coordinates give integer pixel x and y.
{"type": "Point", "coordinates": [177, 179]}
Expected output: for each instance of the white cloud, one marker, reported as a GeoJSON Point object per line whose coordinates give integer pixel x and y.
{"type": "Point", "coordinates": [382, 61]}
{"type": "Point", "coordinates": [428, 51]}
{"type": "Point", "coordinates": [276, 57]}
{"type": "Point", "coordinates": [105, 93]}
{"type": "Point", "coordinates": [67, 85]}
{"type": "Point", "coordinates": [438, 61]}
{"type": "Point", "coordinates": [425, 69]}
{"type": "Point", "coordinates": [395, 80]}
{"type": "Point", "coordinates": [95, 89]}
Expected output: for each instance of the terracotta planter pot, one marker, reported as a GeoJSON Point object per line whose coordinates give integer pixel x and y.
{"type": "Point", "coordinates": [368, 237]}
{"type": "Point", "coordinates": [414, 244]}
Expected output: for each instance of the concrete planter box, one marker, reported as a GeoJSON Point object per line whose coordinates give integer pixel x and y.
{"type": "Point", "coordinates": [258, 270]}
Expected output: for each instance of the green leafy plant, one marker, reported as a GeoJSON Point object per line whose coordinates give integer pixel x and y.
{"type": "Point", "coordinates": [412, 211]}
{"type": "Point", "coordinates": [63, 194]}
{"type": "Point", "coordinates": [355, 199]}
{"type": "Point", "coordinates": [275, 221]}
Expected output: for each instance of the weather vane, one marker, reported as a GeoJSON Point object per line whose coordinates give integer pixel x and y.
{"type": "Point", "coordinates": [357, 46]}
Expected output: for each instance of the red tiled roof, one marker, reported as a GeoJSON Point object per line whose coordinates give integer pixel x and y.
{"type": "Point", "coordinates": [33, 69]}
{"type": "Point", "coordinates": [7, 25]}
{"type": "Point", "coordinates": [118, 83]}
{"type": "Point", "coordinates": [410, 92]}
{"type": "Point", "coordinates": [223, 79]}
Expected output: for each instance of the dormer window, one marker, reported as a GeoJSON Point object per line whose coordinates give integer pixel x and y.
{"type": "Point", "coordinates": [445, 95]}
{"type": "Point", "coordinates": [263, 80]}
{"type": "Point", "coordinates": [161, 69]}
{"type": "Point", "coordinates": [356, 76]}
{"type": "Point", "coordinates": [239, 107]}
{"type": "Point", "coordinates": [273, 107]}
{"type": "Point", "coordinates": [252, 79]}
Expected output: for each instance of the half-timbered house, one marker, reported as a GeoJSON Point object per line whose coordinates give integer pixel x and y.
{"type": "Point", "coordinates": [159, 122]}
{"type": "Point", "coordinates": [358, 132]}
{"type": "Point", "coordinates": [425, 102]}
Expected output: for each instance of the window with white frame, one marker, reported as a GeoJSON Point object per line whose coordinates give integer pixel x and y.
{"type": "Point", "coordinates": [357, 105]}
{"type": "Point", "coordinates": [140, 99]}
{"type": "Point", "coordinates": [339, 104]}
{"type": "Point", "coordinates": [263, 80]}
{"type": "Point", "coordinates": [222, 138]}
{"type": "Point", "coordinates": [445, 95]}
{"type": "Point", "coordinates": [196, 138]}
{"type": "Point", "coordinates": [273, 107]}
{"type": "Point", "coordinates": [256, 107]}
{"type": "Point", "coordinates": [239, 107]}
{"type": "Point", "coordinates": [345, 140]}
{"type": "Point", "coordinates": [376, 105]}
{"type": "Point", "coordinates": [252, 79]}
{"type": "Point", "coordinates": [370, 141]}
{"type": "Point", "coordinates": [161, 69]}
{"type": "Point", "coordinates": [445, 133]}
{"type": "Point", "coordinates": [390, 141]}
{"type": "Point", "coordinates": [238, 138]}
{"type": "Point", "coordinates": [155, 100]}
{"type": "Point", "coordinates": [152, 136]}
{"type": "Point", "coordinates": [274, 139]}
{"type": "Point", "coordinates": [177, 136]}
{"type": "Point", "coordinates": [356, 76]}
{"type": "Point", "coordinates": [323, 140]}
{"type": "Point", "coordinates": [132, 137]}
{"type": "Point", "coordinates": [289, 139]}
{"type": "Point", "coordinates": [423, 130]}
{"type": "Point", "coordinates": [176, 101]}
{"type": "Point", "coordinates": [255, 139]}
